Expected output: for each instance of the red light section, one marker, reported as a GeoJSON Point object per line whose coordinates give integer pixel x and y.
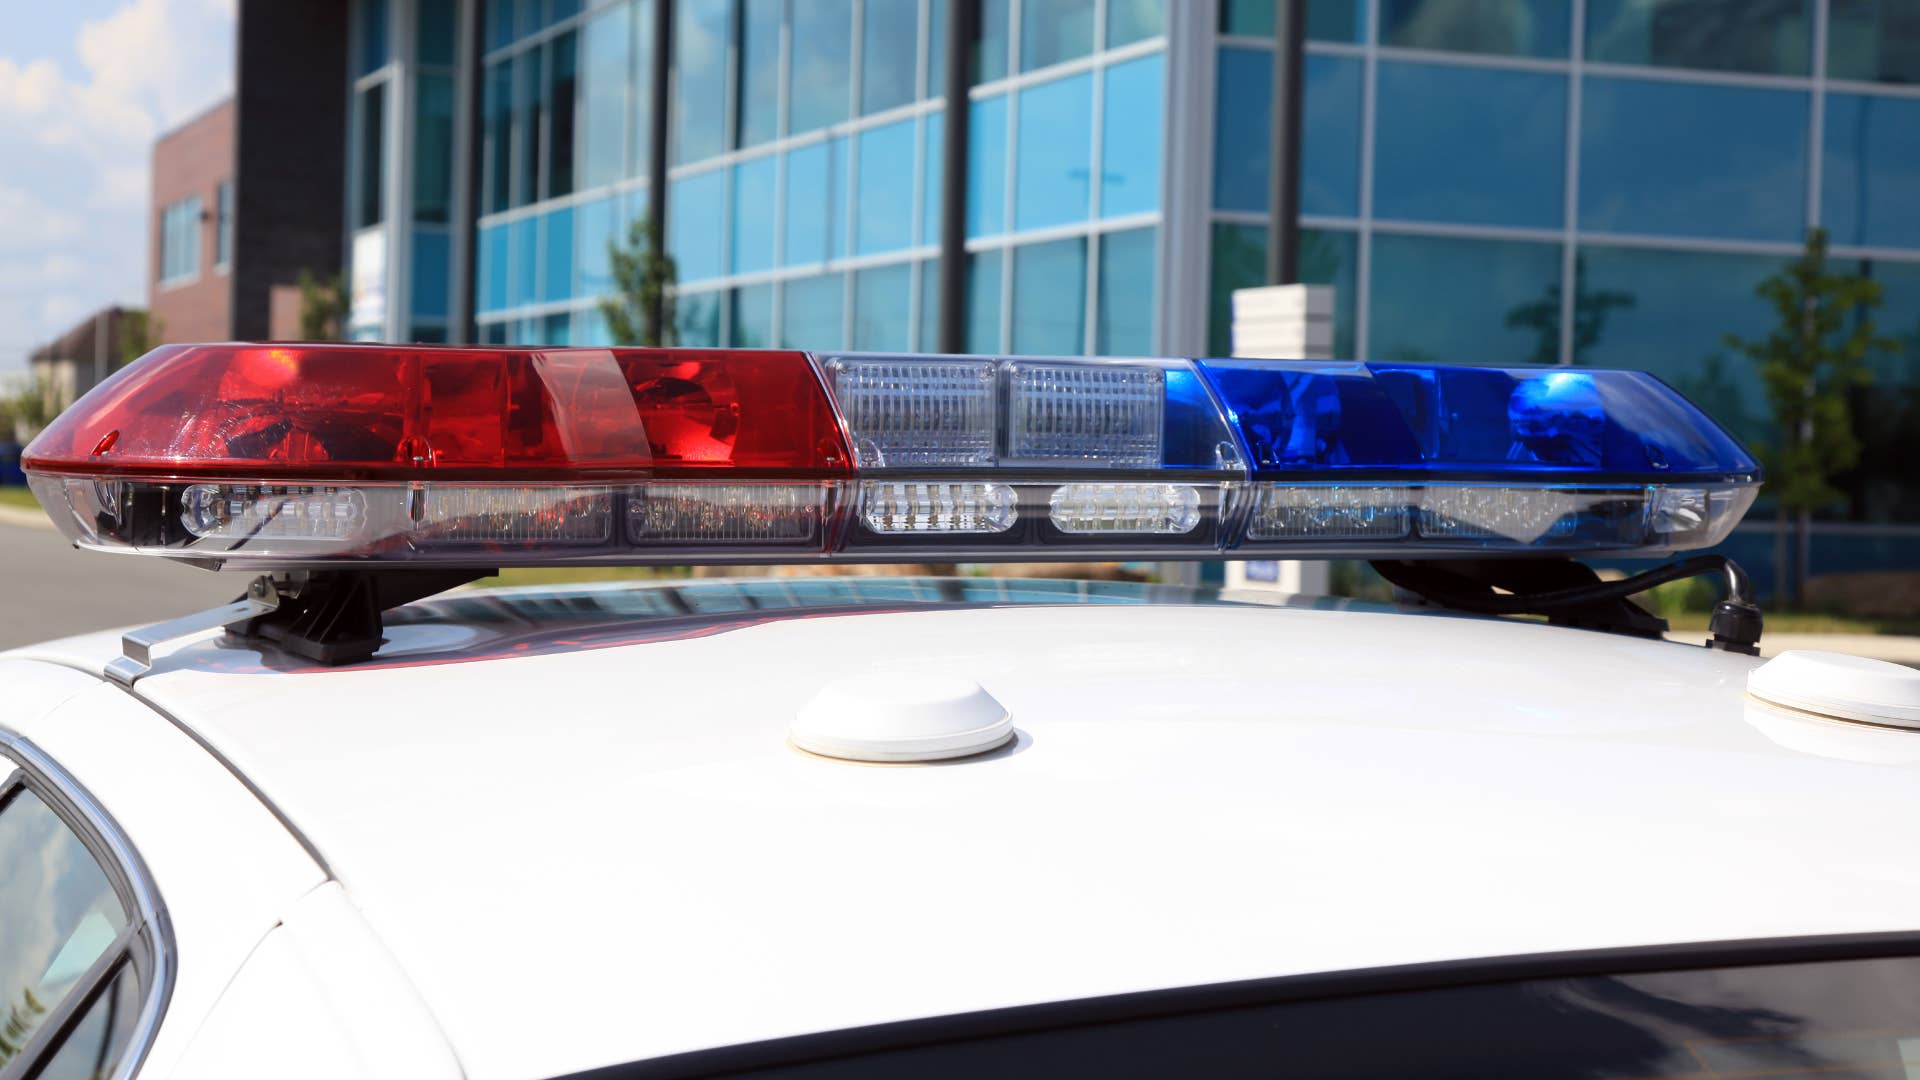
{"type": "Point", "coordinates": [383, 412]}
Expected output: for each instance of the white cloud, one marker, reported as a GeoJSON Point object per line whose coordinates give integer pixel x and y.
{"type": "Point", "coordinates": [31, 224]}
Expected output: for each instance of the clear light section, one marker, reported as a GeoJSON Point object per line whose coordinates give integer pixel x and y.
{"type": "Point", "coordinates": [1126, 508]}
{"type": "Point", "coordinates": [504, 514]}
{"type": "Point", "coordinates": [1286, 512]}
{"type": "Point", "coordinates": [1097, 414]}
{"type": "Point", "coordinates": [937, 507]}
{"type": "Point", "coordinates": [273, 512]}
{"type": "Point", "coordinates": [1526, 515]}
{"type": "Point", "coordinates": [726, 513]}
{"type": "Point", "coordinates": [906, 413]}
{"type": "Point", "coordinates": [1696, 517]}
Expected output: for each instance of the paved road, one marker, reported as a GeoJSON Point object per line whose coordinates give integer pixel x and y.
{"type": "Point", "coordinates": [49, 590]}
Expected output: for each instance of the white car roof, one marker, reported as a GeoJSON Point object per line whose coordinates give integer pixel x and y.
{"type": "Point", "coordinates": [597, 845]}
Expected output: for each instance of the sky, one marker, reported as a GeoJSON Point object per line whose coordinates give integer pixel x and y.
{"type": "Point", "coordinates": [85, 87]}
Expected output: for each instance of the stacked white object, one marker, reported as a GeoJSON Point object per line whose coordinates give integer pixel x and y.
{"type": "Point", "coordinates": [1285, 322]}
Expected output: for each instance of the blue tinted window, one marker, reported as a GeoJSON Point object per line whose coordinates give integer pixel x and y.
{"type": "Point", "coordinates": [1056, 148]}
{"type": "Point", "coordinates": [430, 262]}
{"type": "Point", "coordinates": [436, 29]}
{"type": "Point", "coordinates": [493, 333]}
{"type": "Point", "coordinates": [1327, 257]}
{"type": "Point", "coordinates": [1129, 21]}
{"type": "Point", "coordinates": [883, 203]}
{"type": "Point", "coordinates": [1054, 30]}
{"type": "Point", "coordinates": [822, 57]}
{"type": "Point", "coordinates": [596, 224]}
{"type": "Point", "coordinates": [889, 53]}
{"type": "Point", "coordinates": [523, 262]}
{"type": "Point", "coordinates": [1327, 20]}
{"type": "Point", "coordinates": [1870, 189]}
{"type": "Point", "coordinates": [497, 137]}
{"type": "Point", "coordinates": [499, 25]}
{"type": "Point", "coordinates": [750, 319]}
{"type": "Point", "coordinates": [929, 329]}
{"type": "Point", "coordinates": [1873, 41]}
{"type": "Point", "coordinates": [759, 78]}
{"type": "Point", "coordinates": [1050, 298]}
{"type": "Point", "coordinates": [987, 167]}
{"type": "Point", "coordinates": [562, 86]}
{"type": "Point", "coordinates": [1503, 27]}
{"type": "Point", "coordinates": [935, 83]}
{"type": "Point", "coordinates": [990, 53]}
{"type": "Point", "coordinates": [1771, 37]}
{"type": "Point", "coordinates": [694, 208]}
{"type": "Point", "coordinates": [934, 132]}
{"type": "Point", "coordinates": [1124, 324]}
{"type": "Point", "coordinates": [606, 64]}
{"type": "Point", "coordinates": [1243, 120]}
{"type": "Point", "coordinates": [753, 207]}
{"type": "Point", "coordinates": [492, 270]}
{"type": "Point", "coordinates": [1470, 145]}
{"type": "Point", "coordinates": [880, 298]}
{"type": "Point", "coordinates": [983, 301]}
{"type": "Point", "coordinates": [530, 117]}
{"type": "Point", "coordinates": [433, 148]}
{"type": "Point", "coordinates": [816, 202]}
{"type": "Point", "coordinates": [640, 141]}
{"type": "Point", "coordinates": [700, 71]}
{"type": "Point", "coordinates": [1693, 160]}
{"type": "Point", "coordinates": [556, 329]}
{"type": "Point", "coordinates": [696, 319]}
{"type": "Point", "coordinates": [1445, 300]}
{"type": "Point", "coordinates": [590, 329]}
{"type": "Point", "coordinates": [370, 18]}
{"type": "Point", "coordinates": [556, 235]}
{"type": "Point", "coordinates": [1130, 138]}
{"type": "Point", "coordinates": [1669, 312]}
{"type": "Point", "coordinates": [811, 312]}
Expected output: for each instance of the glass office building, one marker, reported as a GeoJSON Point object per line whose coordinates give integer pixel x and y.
{"type": "Point", "coordinates": [1594, 182]}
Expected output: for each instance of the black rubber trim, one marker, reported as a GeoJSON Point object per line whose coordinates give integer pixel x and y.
{"type": "Point", "coordinates": [1214, 997]}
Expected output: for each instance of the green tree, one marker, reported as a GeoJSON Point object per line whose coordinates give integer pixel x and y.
{"type": "Point", "coordinates": [1808, 364]}
{"type": "Point", "coordinates": [640, 311]}
{"type": "Point", "coordinates": [18, 1027]}
{"type": "Point", "coordinates": [323, 307]}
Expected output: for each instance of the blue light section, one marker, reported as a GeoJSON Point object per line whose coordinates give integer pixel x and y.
{"type": "Point", "coordinates": [1432, 422]}
{"type": "Point", "coordinates": [1194, 436]}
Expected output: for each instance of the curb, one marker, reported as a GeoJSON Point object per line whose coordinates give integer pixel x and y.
{"type": "Point", "coordinates": [25, 519]}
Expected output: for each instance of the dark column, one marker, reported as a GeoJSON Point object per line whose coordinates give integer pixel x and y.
{"type": "Point", "coordinates": [963, 22]}
{"type": "Point", "coordinates": [468, 149]}
{"type": "Point", "coordinates": [1289, 58]}
{"type": "Point", "coordinates": [290, 131]}
{"type": "Point", "coordinates": [657, 136]}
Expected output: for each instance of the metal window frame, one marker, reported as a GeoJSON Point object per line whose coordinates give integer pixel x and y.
{"type": "Point", "coordinates": [145, 945]}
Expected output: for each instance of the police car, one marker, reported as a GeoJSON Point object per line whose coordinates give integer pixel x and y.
{"type": "Point", "coordinates": [357, 824]}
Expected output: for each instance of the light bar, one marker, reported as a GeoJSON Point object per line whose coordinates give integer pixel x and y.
{"type": "Point", "coordinates": [331, 455]}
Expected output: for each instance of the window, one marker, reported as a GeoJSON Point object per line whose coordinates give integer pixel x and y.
{"type": "Point", "coordinates": [556, 254]}
{"type": "Point", "coordinates": [753, 207]}
{"type": "Point", "coordinates": [640, 139]}
{"type": "Point", "coordinates": [1050, 298]}
{"type": "Point", "coordinates": [1470, 145]}
{"type": "Point", "coordinates": [1872, 170]}
{"type": "Point", "coordinates": [1330, 156]}
{"type": "Point", "coordinates": [370, 19]}
{"type": "Point", "coordinates": [750, 320]}
{"type": "Point", "coordinates": [759, 73]}
{"type": "Point", "coordinates": [1055, 154]}
{"type": "Point", "coordinates": [497, 136]}
{"type": "Point", "coordinates": [822, 44]}
{"type": "Point", "coordinates": [530, 119]}
{"type": "Point", "coordinates": [371, 206]}
{"type": "Point", "coordinates": [1124, 324]}
{"type": "Point", "coordinates": [983, 301]}
{"type": "Point", "coordinates": [1873, 41]}
{"type": "Point", "coordinates": [816, 229]}
{"type": "Point", "coordinates": [1327, 20]}
{"type": "Point", "coordinates": [561, 86]}
{"type": "Point", "coordinates": [1693, 160]}
{"type": "Point", "coordinates": [596, 225]}
{"type": "Point", "coordinates": [889, 49]}
{"type": "Point", "coordinates": [606, 64]}
{"type": "Point", "coordinates": [880, 298]}
{"type": "Point", "coordinates": [1502, 27]}
{"type": "Point", "coordinates": [1835, 1018]}
{"type": "Point", "coordinates": [436, 28]}
{"type": "Point", "coordinates": [986, 167]}
{"type": "Point", "coordinates": [1768, 37]}
{"type": "Point", "coordinates": [811, 312]}
{"type": "Point", "coordinates": [433, 149]}
{"type": "Point", "coordinates": [695, 207]}
{"type": "Point", "coordinates": [78, 952]}
{"type": "Point", "coordinates": [929, 329]}
{"type": "Point", "coordinates": [1130, 138]}
{"type": "Point", "coordinates": [697, 319]}
{"type": "Point", "coordinates": [883, 200]}
{"type": "Point", "coordinates": [990, 50]}
{"type": "Point", "coordinates": [1129, 21]}
{"type": "Point", "coordinates": [493, 268]}
{"type": "Point", "coordinates": [700, 79]}
{"type": "Point", "coordinates": [429, 264]}
{"type": "Point", "coordinates": [1455, 301]}
{"type": "Point", "coordinates": [1053, 31]}
{"type": "Point", "coordinates": [223, 225]}
{"type": "Point", "coordinates": [180, 241]}
{"type": "Point", "coordinates": [933, 128]}
{"type": "Point", "coordinates": [1327, 257]}
{"type": "Point", "coordinates": [523, 261]}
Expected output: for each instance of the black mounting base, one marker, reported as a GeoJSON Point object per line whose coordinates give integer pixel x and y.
{"type": "Point", "coordinates": [333, 616]}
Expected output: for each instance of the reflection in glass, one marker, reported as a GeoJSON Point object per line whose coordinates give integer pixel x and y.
{"type": "Point", "coordinates": [1873, 41]}
{"type": "Point", "coordinates": [758, 77]}
{"type": "Point", "coordinates": [497, 137]}
{"type": "Point", "coordinates": [986, 167]}
{"type": "Point", "coordinates": [1447, 300]}
{"type": "Point", "coordinates": [596, 224]}
{"type": "Point", "coordinates": [753, 207]}
{"type": "Point", "coordinates": [1130, 138]}
{"type": "Point", "coordinates": [1684, 305]}
{"type": "Point", "coordinates": [883, 202]}
{"type": "Point", "coordinates": [1470, 145]}
{"type": "Point", "coordinates": [699, 99]}
{"type": "Point", "coordinates": [816, 203]}
{"type": "Point", "coordinates": [750, 317]}
{"type": "Point", "coordinates": [435, 29]}
{"type": "Point", "coordinates": [1330, 156]}
{"type": "Point", "coordinates": [935, 83]}
{"type": "Point", "coordinates": [1327, 257]}
{"type": "Point", "coordinates": [983, 301]}
{"type": "Point", "coordinates": [696, 319]}
{"type": "Point", "coordinates": [94, 1046]}
{"type": "Point", "coordinates": [1050, 298]}
{"type": "Point", "coordinates": [492, 270]}
{"type": "Point", "coordinates": [433, 148]}
{"type": "Point", "coordinates": [1129, 21]}
{"type": "Point", "coordinates": [1501, 27]}
{"type": "Point", "coordinates": [640, 140]}
{"type": "Point", "coordinates": [695, 205]}
{"type": "Point", "coordinates": [530, 121]}
{"type": "Point", "coordinates": [1693, 159]}
{"type": "Point", "coordinates": [1768, 37]}
{"type": "Point", "coordinates": [811, 312]}
{"type": "Point", "coordinates": [371, 104]}
{"type": "Point", "coordinates": [523, 263]}
{"type": "Point", "coordinates": [1870, 187]}
{"type": "Point", "coordinates": [880, 299]}
{"type": "Point", "coordinates": [1052, 31]}
{"type": "Point", "coordinates": [1055, 144]}
{"type": "Point", "coordinates": [928, 328]}
{"type": "Point", "coordinates": [990, 50]}
{"type": "Point", "coordinates": [1123, 325]}
{"type": "Point", "coordinates": [560, 94]}
{"type": "Point", "coordinates": [932, 131]}
{"type": "Point", "coordinates": [821, 44]}
{"type": "Point", "coordinates": [429, 294]}
{"type": "Point", "coordinates": [889, 47]}
{"type": "Point", "coordinates": [58, 914]}
{"type": "Point", "coordinates": [606, 72]}
{"type": "Point", "coordinates": [1343, 21]}
{"type": "Point", "coordinates": [556, 254]}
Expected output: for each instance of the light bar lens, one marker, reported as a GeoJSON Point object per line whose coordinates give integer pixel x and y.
{"type": "Point", "coordinates": [287, 456]}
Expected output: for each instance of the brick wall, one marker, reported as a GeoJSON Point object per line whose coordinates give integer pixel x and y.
{"type": "Point", "coordinates": [194, 159]}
